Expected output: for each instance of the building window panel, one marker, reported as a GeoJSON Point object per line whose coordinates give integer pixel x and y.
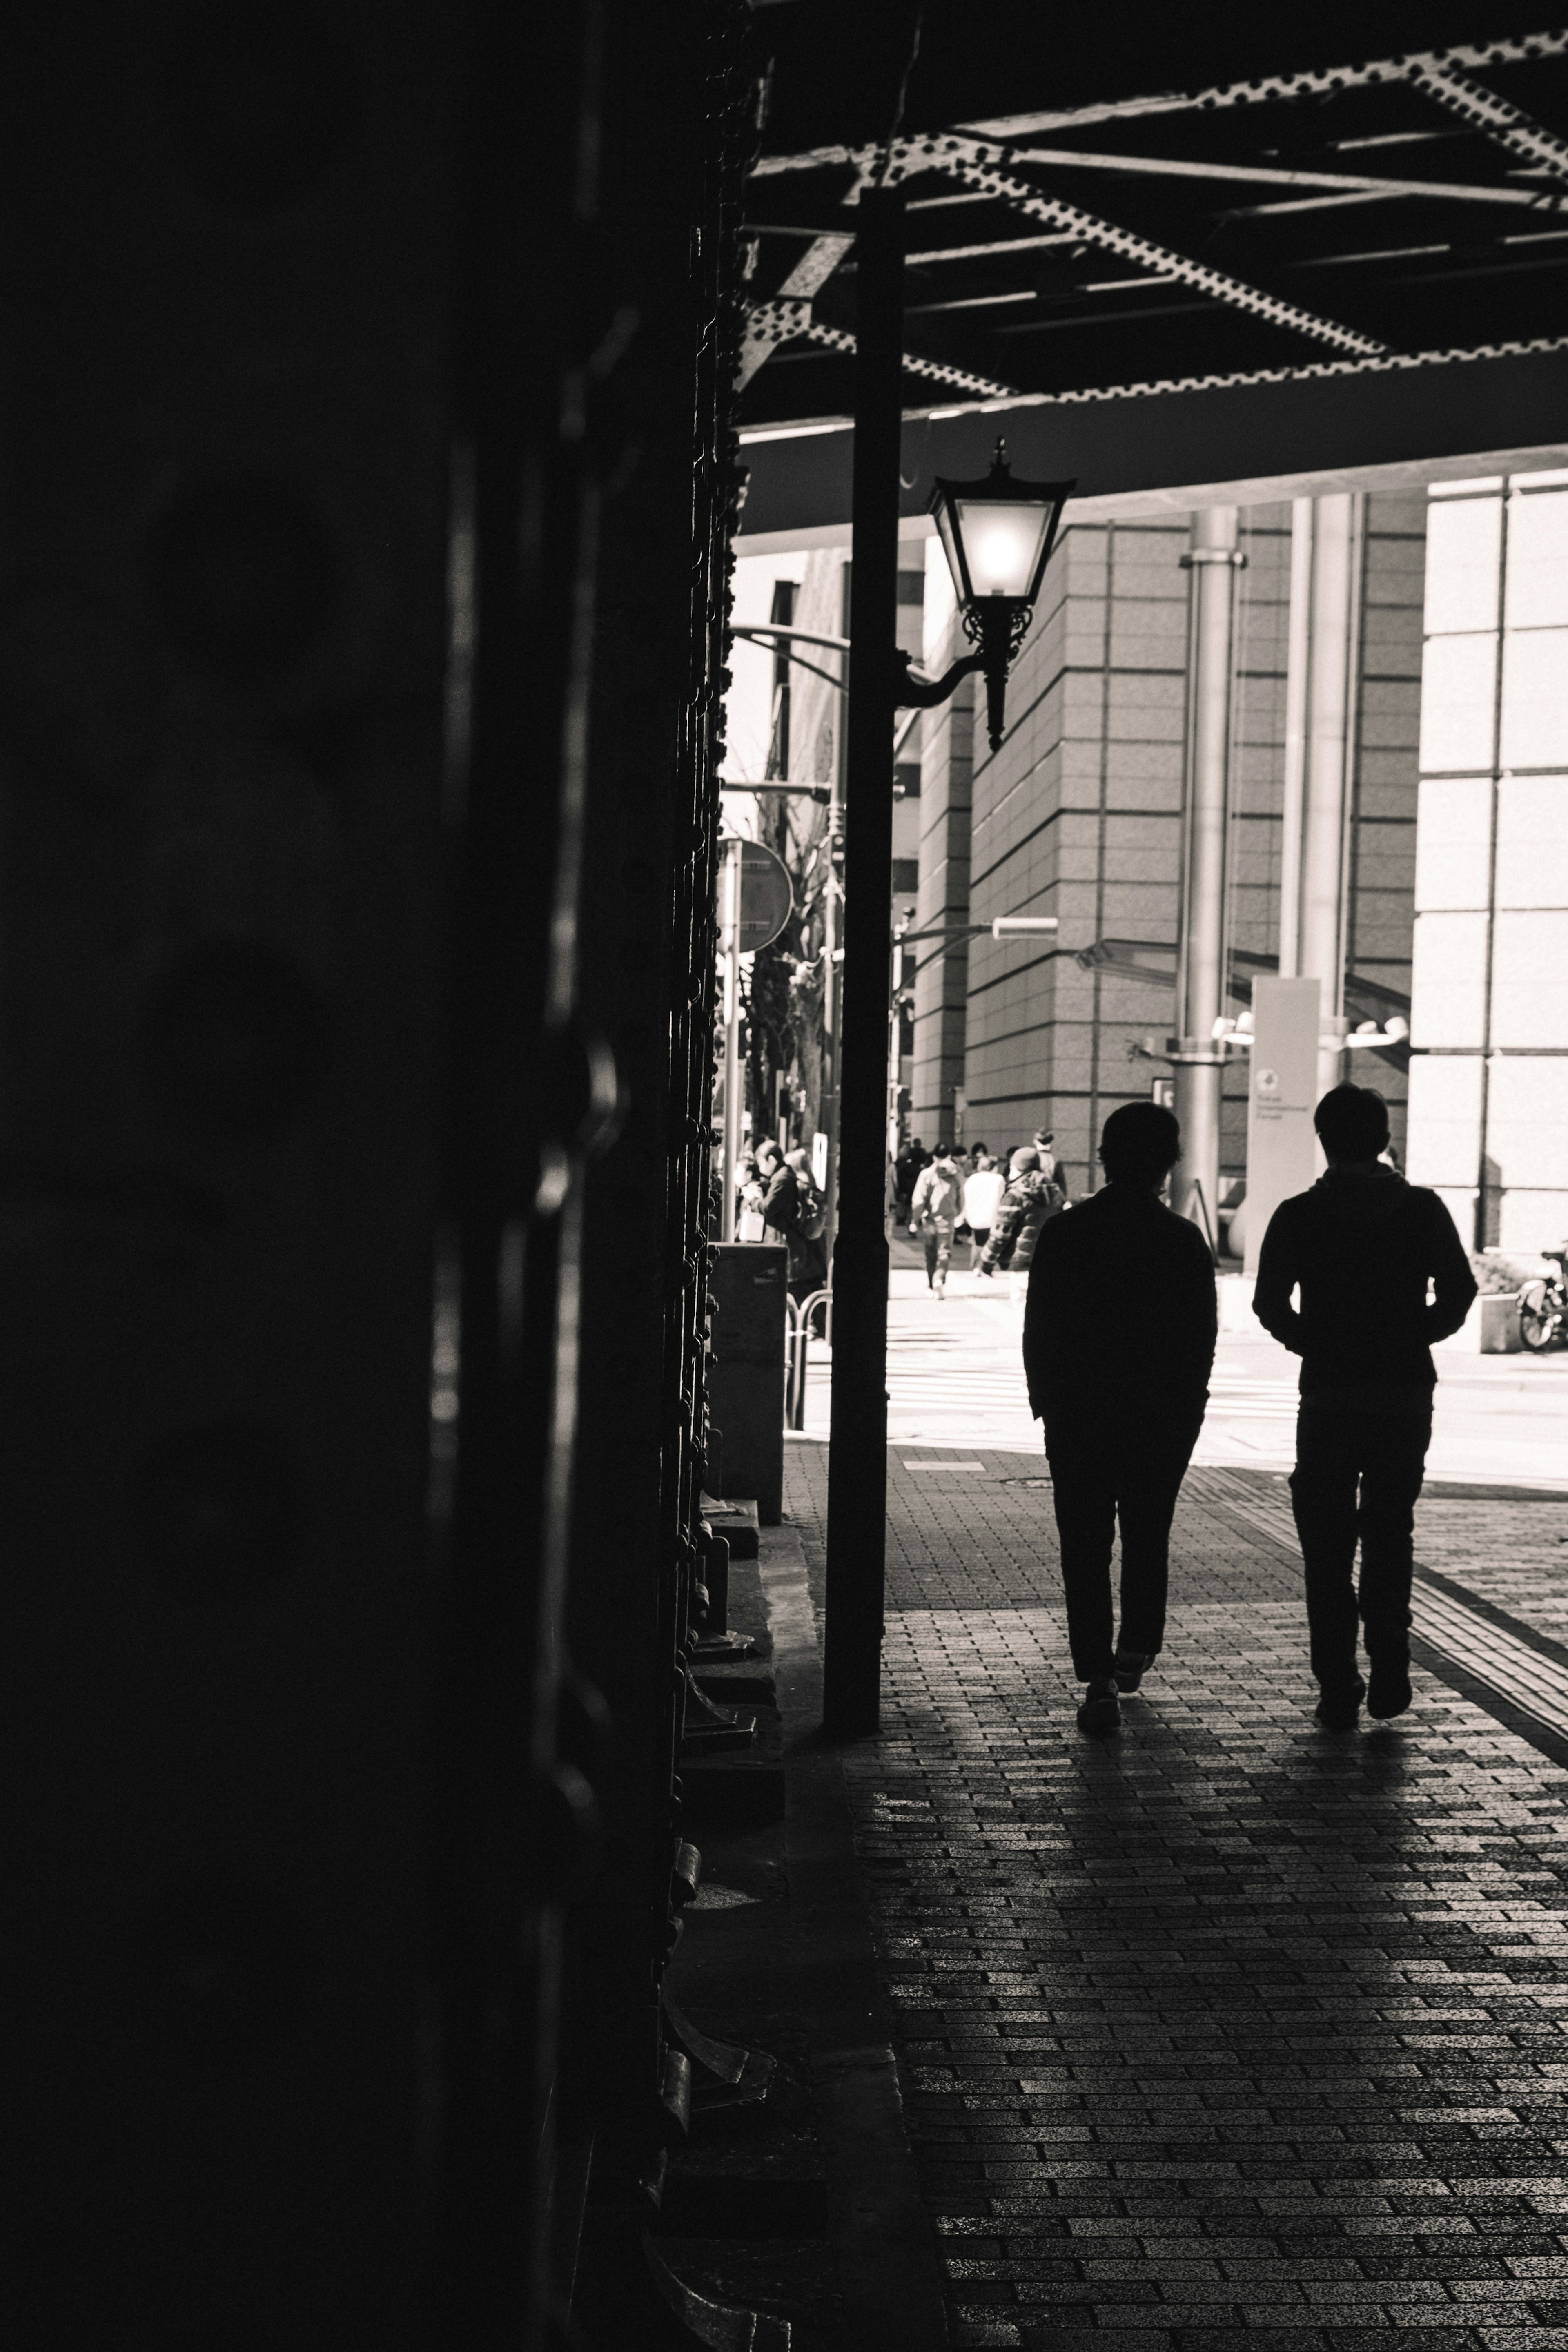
{"type": "Point", "coordinates": [1534, 700]}
{"type": "Point", "coordinates": [1448, 986]}
{"type": "Point", "coordinates": [1537, 592]}
{"type": "Point", "coordinates": [1458, 691]}
{"type": "Point", "coordinates": [1445, 1120]}
{"type": "Point", "coordinates": [1534, 1221]}
{"type": "Point", "coordinates": [1527, 1120]}
{"type": "Point", "coordinates": [1464, 541]}
{"type": "Point", "coordinates": [1529, 977]}
{"type": "Point", "coordinates": [1453, 842]}
{"type": "Point", "coordinates": [1532, 841]}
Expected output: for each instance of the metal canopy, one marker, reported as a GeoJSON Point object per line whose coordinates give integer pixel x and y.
{"type": "Point", "coordinates": [1360, 239]}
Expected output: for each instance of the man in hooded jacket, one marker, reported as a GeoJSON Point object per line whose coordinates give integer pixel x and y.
{"type": "Point", "coordinates": [1362, 1245]}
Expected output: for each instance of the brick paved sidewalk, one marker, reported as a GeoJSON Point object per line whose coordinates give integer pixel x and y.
{"type": "Point", "coordinates": [1228, 2030]}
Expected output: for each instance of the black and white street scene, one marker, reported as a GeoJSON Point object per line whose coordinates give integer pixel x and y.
{"type": "Point", "coordinates": [784, 1177]}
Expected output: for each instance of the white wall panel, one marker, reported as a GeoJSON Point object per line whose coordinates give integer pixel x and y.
{"type": "Point", "coordinates": [1529, 977]}
{"type": "Point", "coordinates": [1534, 700]}
{"type": "Point", "coordinates": [1458, 691]}
{"type": "Point", "coordinates": [1443, 1142]}
{"type": "Point", "coordinates": [1527, 1120]}
{"type": "Point", "coordinates": [1537, 593]}
{"type": "Point", "coordinates": [1447, 984]}
{"type": "Point", "coordinates": [1532, 841]}
{"type": "Point", "coordinates": [1534, 1221]}
{"type": "Point", "coordinates": [1463, 541]}
{"type": "Point", "coordinates": [1453, 842]}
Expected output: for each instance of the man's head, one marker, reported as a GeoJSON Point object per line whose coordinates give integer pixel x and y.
{"type": "Point", "coordinates": [1140, 1144]}
{"type": "Point", "coordinates": [1351, 1124]}
{"type": "Point", "coordinates": [767, 1157]}
{"type": "Point", "coordinates": [943, 1155]}
{"type": "Point", "coordinates": [1043, 1139]}
{"type": "Point", "coordinates": [1023, 1159]}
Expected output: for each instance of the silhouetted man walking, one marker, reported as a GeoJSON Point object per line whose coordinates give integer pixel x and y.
{"type": "Point", "coordinates": [1119, 1332]}
{"type": "Point", "coordinates": [1362, 1245]}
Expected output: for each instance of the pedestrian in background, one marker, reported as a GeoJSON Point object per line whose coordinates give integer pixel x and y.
{"type": "Point", "coordinates": [1362, 1245]}
{"type": "Point", "coordinates": [781, 1196]}
{"type": "Point", "coordinates": [749, 1191]}
{"type": "Point", "coordinates": [934, 1212]}
{"type": "Point", "coordinates": [905, 1169]}
{"type": "Point", "coordinates": [1029, 1200]}
{"type": "Point", "coordinates": [982, 1196]}
{"type": "Point", "coordinates": [1122, 1401]}
{"type": "Point", "coordinates": [808, 1251]}
{"type": "Point", "coordinates": [1050, 1166]}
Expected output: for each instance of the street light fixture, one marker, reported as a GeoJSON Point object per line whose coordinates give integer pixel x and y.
{"type": "Point", "coordinates": [997, 535]}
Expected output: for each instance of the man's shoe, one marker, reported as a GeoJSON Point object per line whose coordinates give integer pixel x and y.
{"type": "Point", "coordinates": [1131, 1667]}
{"type": "Point", "coordinates": [1339, 1711]}
{"type": "Point", "coordinates": [1100, 1712]}
{"type": "Point", "coordinates": [1388, 1688]}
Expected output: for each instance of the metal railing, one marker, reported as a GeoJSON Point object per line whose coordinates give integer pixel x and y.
{"type": "Point", "coordinates": [798, 1351]}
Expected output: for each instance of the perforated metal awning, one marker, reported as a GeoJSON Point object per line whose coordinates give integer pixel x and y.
{"type": "Point", "coordinates": [1335, 222]}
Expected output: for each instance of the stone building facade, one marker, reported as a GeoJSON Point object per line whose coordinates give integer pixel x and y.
{"type": "Point", "coordinates": [1079, 815]}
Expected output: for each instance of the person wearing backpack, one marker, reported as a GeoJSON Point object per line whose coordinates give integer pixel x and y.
{"type": "Point", "coordinates": [934, 1212]}
{"type": "Point", "coordinates": [808, 1251]}
{"type": "Point", "coordinates": [1030, 1200]}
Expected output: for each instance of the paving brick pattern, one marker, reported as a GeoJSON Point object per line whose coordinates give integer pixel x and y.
{"type": "Point", "coordinates": [1228, 2030]}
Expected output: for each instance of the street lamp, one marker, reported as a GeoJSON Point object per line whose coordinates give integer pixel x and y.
{"type": "Point", "coordinates": [997, 535]}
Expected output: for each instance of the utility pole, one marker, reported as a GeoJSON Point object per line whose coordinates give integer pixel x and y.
{"type": "Point", "coordinates": [857, 1457]}
{"type": "Point", "coordinates": [832, 932]}
{"type": "Point", "coordinates": [1326, 799]}
{"type": "Point", "coordinates": [733, 1077]}
{"type": "Point", "coordinates": [1199, 1059]}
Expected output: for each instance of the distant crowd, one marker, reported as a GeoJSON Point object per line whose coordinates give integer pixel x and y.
{"type": "Point", "coordinates": [964, 1195]}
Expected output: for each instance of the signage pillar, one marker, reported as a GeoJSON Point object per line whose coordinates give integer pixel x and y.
{"type": "Point", "coordinates": [1281, 1143]}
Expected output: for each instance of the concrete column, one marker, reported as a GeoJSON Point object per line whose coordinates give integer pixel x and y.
{"type": "Point", "coordinates": [1332, 638]}
{"type": "Point", "coordinates": [1214, 561]}
{"type": "Point", "coordinates": [1297, 664]}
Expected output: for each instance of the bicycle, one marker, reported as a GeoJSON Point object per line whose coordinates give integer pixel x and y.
{"type": "Point", "coordinates": [1544, 1308]}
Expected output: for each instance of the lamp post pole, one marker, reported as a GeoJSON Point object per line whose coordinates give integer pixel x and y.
{"type": "Point", "coordinates": [734, 1084]}
{"type": "Point", "coordinates": [857, 1457]}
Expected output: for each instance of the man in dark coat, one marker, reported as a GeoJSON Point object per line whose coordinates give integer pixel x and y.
{"type": "Point", "coordinates": [780, 1196]}
{"type": "Point", "coordinates": [1362, 1247]}
{"type": "Point", "coordinates": [1121, 1401]}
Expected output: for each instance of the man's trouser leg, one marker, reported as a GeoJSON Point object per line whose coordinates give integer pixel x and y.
{"type": "Point", "coordinates": [1393, 1464]}
{"type": "Point", "coordinates": [939, 1252]}
{"type": "Point", "coordinates": [1149, 1480]}
{"type": "Point", "coordinates": [1323, 1498]}
{"type": "Point", "coordinates": [1083, 1491]}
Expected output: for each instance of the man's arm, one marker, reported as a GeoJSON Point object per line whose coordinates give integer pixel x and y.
{"type": "Point", "coordinates": [1036, 1303]}
{"type": "Point", "coordinates": [1452, 1279]}
{"type": "Point", "coordinates": [921, 1195]}
{"type": "Point", "coordinates": [1278, 1273]}
{"type": "Point", "coordinates": [781, 1209]}
{"type": "Point", "coordinates": [1202, 1314]}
